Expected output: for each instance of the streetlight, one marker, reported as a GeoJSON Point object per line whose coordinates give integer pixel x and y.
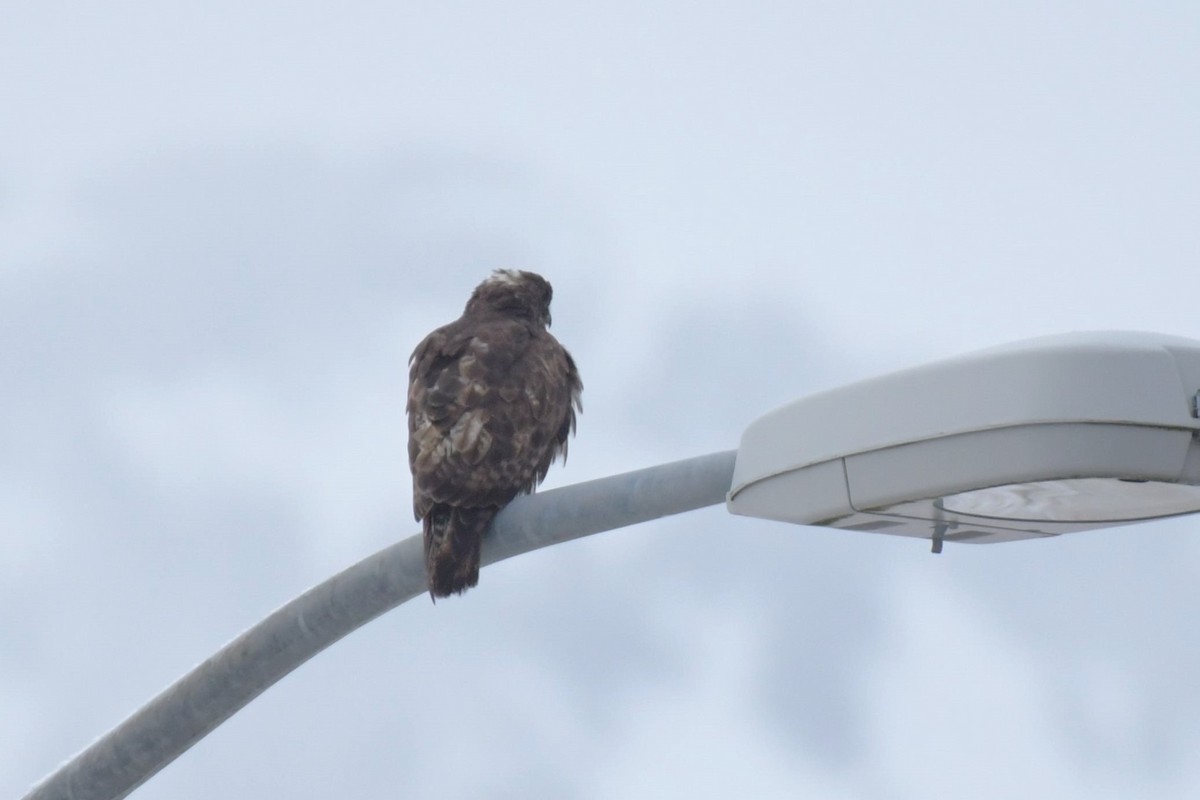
{"type": "Point", "coordinates": [1028, 440]}
{"type": "Point", "coordinates": [1034, 439]}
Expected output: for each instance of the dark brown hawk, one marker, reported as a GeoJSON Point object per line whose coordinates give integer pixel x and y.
{"type": "Point", "coordinates": [492, 399]}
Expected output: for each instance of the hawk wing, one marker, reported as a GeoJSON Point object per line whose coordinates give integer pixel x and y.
{"type": "Point", "coordinates": [490, 405]}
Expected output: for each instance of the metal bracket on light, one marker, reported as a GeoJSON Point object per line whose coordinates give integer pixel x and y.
{"type": "Point", "coordinates": [1035, 439]}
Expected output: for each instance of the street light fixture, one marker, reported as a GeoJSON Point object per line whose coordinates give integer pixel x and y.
{"type": "Point", "coordinates": [1034, 439]}
{"type": "Point", "coordinates": [1025, 441]}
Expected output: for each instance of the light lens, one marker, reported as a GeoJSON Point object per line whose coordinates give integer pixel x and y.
{"type": "Point", "coordinates": [1077, 500]}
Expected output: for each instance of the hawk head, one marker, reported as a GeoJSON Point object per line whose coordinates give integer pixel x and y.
{"type": "Point", "coordinates": [514, 293]}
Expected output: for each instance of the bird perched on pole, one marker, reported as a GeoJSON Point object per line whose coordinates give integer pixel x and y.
{"type": "Point", "coordinates": [492, 398]}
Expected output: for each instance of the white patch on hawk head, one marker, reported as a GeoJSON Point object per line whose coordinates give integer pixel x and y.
{"type": "Point", "coordinates": [508, 277]}
{"type": "Point", "coordinates": [513, 293]}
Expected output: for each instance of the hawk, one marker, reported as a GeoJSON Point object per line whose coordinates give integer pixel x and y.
{"type": "Point", "coordinates": [492, 398]}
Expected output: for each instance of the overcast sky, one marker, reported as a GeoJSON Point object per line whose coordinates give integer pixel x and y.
{"type": "Point", "coordinates": [224, 227]}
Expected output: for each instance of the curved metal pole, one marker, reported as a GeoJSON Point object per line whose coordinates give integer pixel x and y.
{"type": "Point", "coordinates": [193, 706]}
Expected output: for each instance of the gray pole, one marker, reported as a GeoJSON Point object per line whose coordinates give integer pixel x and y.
{"type": "Point", "coordinates": [193, 706]}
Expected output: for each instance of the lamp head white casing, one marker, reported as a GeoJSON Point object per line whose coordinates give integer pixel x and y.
{"type": "Point", "coordinates": [1037, 438]}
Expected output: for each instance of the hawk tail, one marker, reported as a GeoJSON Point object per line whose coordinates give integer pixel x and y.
{"type": "Point", "coordinates": [453, 539]}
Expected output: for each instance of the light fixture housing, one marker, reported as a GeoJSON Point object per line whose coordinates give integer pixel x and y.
{"type": "Point", "coordinates": [1033, 439]}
